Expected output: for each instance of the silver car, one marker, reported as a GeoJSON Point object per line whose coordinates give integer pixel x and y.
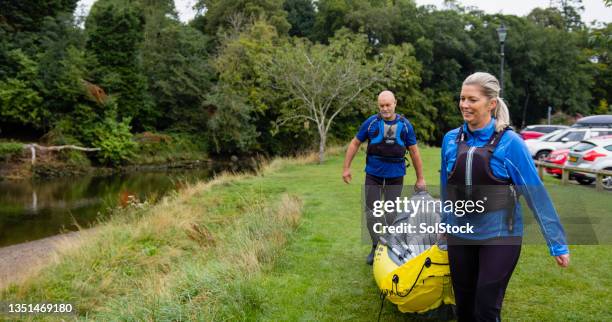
{"type": "Point", "coordinates": [592, 154]}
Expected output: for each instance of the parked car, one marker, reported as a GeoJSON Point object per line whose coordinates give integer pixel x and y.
{"type": "Point", "coordinates": [562, 139]}
{"type": "Point", "coordinates": [558, 157]}
{"type": "Point", "coordinates": [594, 121]}
{"type": "Point", "coordinates": [593, 154]}
{"type": "Point", "coordinates": [536, 131]}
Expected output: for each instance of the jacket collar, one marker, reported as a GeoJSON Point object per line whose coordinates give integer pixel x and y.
{"type": "Point", "coordinates": [482, 134]}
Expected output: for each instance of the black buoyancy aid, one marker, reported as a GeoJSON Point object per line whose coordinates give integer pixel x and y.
{"type": "Point", "coordinates": [472, 177]}
{"type": "Point", "coordinates": [387, 144]}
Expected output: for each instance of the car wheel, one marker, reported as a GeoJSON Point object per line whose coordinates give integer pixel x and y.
{"type": "Point", "coordinates": [607, 180]}
{"type": "Point", "coordinates": [541, 155]}
{"type": "Point", "coordinates": [585, 181]}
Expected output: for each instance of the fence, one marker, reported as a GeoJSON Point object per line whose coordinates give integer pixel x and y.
{"type": "Point", "coordinates": [566, 170]}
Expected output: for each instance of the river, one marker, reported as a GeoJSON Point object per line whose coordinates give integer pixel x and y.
{"type": "Point", "coordinates": [31, 210]}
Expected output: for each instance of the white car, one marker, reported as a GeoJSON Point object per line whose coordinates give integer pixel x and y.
{"type": "Point", "coordinates": [562, 139]}
{"type": "Point", "coordinates": [593, 154]}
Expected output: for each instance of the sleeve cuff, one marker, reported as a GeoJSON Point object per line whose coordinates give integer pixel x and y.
{"type": "Point", "coordinates": [556, 250]}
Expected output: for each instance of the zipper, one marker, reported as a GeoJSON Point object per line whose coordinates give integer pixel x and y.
{"type": "Point", "coordinates": [468, 166]}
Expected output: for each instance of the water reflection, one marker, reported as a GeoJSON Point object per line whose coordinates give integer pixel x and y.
{"type": "Point", "coordinates": [31, 210]}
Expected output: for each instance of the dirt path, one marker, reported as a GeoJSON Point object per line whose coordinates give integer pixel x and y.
{"type": "Point", "coordinates": [22, 260]}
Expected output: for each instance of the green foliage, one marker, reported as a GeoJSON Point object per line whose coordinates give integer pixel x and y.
{"type": "Point", "coordinates": [230, 126]}
{"type": "Point", "coordinates": [115, 30]}
{"type": "Point", "coordinates": [179, 74]}
{"type": "Point", "coordinates": [232, 15]}
{"type": "Point", "coordinates": [159, 148]}
{"type": "Point", "coordinates": [115, 141]}
{"type": "Point", "coordinates": [7, 149]}
{"type": "Point", "coordinates": [242, 93]}
{"type": "Point", "coordinates": [216, 77]}
{"type": "Point", "coordinates": [603, 108]}
{"type": "Point", "coordinates": [330, 18]}
{"type": "Point", "coordinates": [29, 15]}
{"type": "Point", "coordinates": [19, 100]}
{"type": "Point", "coordinates": [405, 81]}
{"type": "Point", "coordinates": [301, 15]}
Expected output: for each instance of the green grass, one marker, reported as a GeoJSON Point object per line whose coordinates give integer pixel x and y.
{"type": "Point", "coordinates": [9, 148]}
{"type": "Point", "coordinates": [320, 274]}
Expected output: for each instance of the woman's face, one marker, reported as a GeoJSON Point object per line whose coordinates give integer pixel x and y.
{"type": "Point", "coordinates": [475, 106]}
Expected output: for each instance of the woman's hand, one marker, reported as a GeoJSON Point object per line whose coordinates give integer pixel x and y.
{"type": "Point", "coordinates": [420, 185]}
{"type": "Point", "coordinates": [563, 260]}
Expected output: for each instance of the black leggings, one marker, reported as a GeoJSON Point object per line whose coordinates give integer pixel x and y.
{"type": "Point", "coordinates": [378, 188]}
{"type": "Point", "coordinates": [480, 275]}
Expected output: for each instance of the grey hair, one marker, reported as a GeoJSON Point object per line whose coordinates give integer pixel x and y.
{"type": "Point", "coordinates": [490, 88]}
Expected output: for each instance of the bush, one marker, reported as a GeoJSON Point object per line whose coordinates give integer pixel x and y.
{"type": "Point", "coordinates": [8, 149]}
{"type": "Point", "coordinates": [115, 141]}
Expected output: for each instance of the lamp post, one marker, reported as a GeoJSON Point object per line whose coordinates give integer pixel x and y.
{"type": "Point", "coordinates": [501, 34]}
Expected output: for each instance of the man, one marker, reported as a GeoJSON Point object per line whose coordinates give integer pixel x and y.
{"type": "Point", "coordinates": [389, 135]}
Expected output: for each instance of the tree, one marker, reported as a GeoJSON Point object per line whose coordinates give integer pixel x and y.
{"type": "Point", "coordinates": [28, 15]}
{"type": "Point", "coordinates": [600, 50]}
{"type": "Point", "coordinates": [301, 16]}
{"type": "Point", "coordinates": [178, 73]}
{"type": "Point", "coordinates": [226, 14]}
{"type": "Point", "coordinates": [404, 79]}
{"type": "Point", "coordinates": [115, 31]}
{"type": "Point", "coordinates": [570, 11]}
{"type": "Point", "coordinates": [330, 18]}
{"type": "Point", "coordinates": [20, 102]}
{"type": "Point", "coordinates": [241, 95]}
{"type": "Point", "coordinates": [322, 80]}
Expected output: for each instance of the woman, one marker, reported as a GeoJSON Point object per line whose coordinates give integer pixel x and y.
{"type": "Point", "coordinates": [485, 160]}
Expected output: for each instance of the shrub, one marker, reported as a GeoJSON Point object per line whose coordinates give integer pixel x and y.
{"type": "Point", "coordinates": [115, 141]}
{"type": "Point", "coordinates": [8, 149]}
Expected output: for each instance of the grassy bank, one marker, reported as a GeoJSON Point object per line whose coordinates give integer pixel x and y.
{"type": "Point", "coordinates": [190, 257]}
{"type": "Point", "coordinates": [155, 264]}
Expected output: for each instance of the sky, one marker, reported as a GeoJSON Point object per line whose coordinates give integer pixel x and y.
{"type": "Point", "coordinates": [593, 9]}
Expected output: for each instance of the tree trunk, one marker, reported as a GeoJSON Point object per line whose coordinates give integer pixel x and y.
{"type": "Point", "coordinates": [323, 137]}
{"type": "Point", "coordinates": [525, 110]}
{"type": "Point", "coordinates": [35, 146]}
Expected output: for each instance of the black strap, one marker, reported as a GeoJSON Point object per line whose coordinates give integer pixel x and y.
{"type": "Point", "coordinates": [382, 303]}
{"type": "Point", "coordinates": [496, 137]}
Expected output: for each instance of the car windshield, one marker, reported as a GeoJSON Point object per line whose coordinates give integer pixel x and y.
{"type": "Point", "coordinates": [583, 146]}
{"type": "Point", "coordinates": [571, 136]}
{"type": "Point", "coordinates": [552, 136]}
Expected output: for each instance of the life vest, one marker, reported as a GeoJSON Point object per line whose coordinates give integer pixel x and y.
{"type": "Point", "coordinates": [387, 145]}
{"type": "Point", "coordinates": [472, 177]}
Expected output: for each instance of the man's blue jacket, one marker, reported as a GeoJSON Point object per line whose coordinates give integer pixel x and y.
{"type": "Point", "coordinates": [511, 160]}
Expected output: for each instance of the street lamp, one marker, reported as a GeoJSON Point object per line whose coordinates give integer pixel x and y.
{"type": "Point", "coordinates": [501, 33]}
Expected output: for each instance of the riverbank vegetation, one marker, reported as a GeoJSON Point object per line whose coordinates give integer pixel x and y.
{"type": "Point", "coordinates": [202, 254]}
{"type": "Point", "coordinates": [190, 257]}
{"type": "Point", "coordinates": [277, 77]}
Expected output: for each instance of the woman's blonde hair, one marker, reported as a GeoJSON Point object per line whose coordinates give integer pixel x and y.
{"type": "Point", "coordinates": [490, 88]}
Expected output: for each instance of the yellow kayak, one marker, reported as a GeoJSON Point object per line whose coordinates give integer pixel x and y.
{"type": "Point", "coordinates": [412, 271]}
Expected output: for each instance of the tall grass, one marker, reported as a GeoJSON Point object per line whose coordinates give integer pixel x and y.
{"type": "Point", "coordinates": [186, 258]}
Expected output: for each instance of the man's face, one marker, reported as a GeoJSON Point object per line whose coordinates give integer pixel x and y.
{"type": "Point", "coordinates": [386, 106]}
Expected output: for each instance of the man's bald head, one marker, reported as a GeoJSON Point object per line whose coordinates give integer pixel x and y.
{"type": "Point", "coordinates": [386, 95]}
{"type": "Point", "coordinates": [386, 105]}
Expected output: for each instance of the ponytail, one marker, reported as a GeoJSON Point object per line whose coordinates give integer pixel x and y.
{"type": "Point", "coordinates": [490, 88]}
{"type": "Point", "coordinates": [501, 114]}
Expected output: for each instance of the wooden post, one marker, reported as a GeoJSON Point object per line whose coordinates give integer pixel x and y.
{"type": "Point", "coordinates": [540, 171]}
{"type": "Point", "coordinates": [564, 176]}
{"type": "Point", "coordinates": [599, 182]}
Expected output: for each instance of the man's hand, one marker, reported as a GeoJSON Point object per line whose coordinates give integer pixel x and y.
{"type": "Point", "coordinates": [346, 175]}
{"type": "Point", "coordinates": [350, 154]}
{"type": "Point", "coordinates": [563, 260]}
{"type": "Point", "coordinates": [420, 185]}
